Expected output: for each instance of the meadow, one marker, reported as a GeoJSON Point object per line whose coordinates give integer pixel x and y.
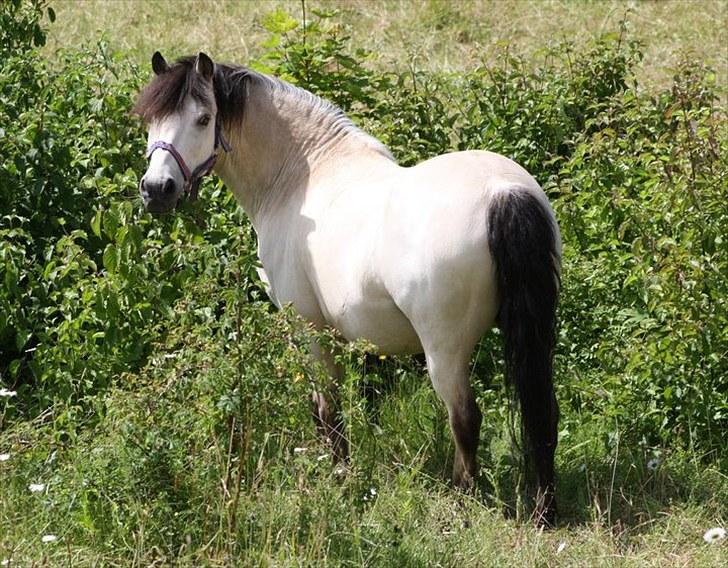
{"type": "Point", "coordinates": [154, 406]}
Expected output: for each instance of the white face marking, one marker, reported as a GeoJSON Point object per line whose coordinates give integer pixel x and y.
{"type": "Point", "coordinates": [193, 139]}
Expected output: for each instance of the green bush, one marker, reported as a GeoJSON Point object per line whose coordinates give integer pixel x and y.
{"type": "Point", "coordinates": [20, 26]}
{"type": "Point", "coordinates": [642, 207]}
{"type": "Point", "coordinates": [90, 279]}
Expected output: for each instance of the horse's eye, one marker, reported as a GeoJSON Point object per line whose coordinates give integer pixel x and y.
{"type": "Point", "coordinates": [204, 120]}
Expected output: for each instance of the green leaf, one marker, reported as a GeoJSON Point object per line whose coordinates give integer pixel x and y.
{"type": "Point", "coordinates": [96, 223]}
{"type": "Point", "coordinates": [14, 367]}
{"type": "Point", "coordinates": [279, 22]}
{"type": "Point", "coordinates": [110, 258]}
{"type": "Point", "coordinates": [21, 338]}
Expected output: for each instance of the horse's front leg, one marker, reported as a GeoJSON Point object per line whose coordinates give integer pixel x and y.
{"type": "Point", "coordinates": [326, 407]}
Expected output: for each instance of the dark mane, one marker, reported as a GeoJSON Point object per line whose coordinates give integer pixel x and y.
{"type": "Point", "coordinates": [166, 93]}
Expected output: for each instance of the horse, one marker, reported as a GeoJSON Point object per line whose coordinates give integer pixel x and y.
{"type": "Point", "coordinates": [421, 259]}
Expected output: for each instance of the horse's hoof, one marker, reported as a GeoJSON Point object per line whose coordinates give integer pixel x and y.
{"type": "Point", "coordinates": [463, 481]}
{"type": "Point", "coordinates": [545, 518]}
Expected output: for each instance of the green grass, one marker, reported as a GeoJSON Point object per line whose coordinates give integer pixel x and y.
{"type": "Point", "coordinates": [159, 481]}
{"type": "Point", "coordinates": [436, 35]}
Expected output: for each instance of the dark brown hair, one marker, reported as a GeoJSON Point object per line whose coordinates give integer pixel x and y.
{"type": "Point", "coordinates": [166, 93]}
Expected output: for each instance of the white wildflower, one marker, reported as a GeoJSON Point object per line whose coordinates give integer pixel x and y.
{"type": "Point", "coordinates": [5, 562]}
{"type": "Point", "coordinates": [7, 393]}
{"type": "Point", "coordinates": [4, 457]}
{"type": "Point", "coordinates": [49, 538]}
{"type": "Point", "coordinates": [322, 457]}
{"type": "Point", "coordinates": [561, 547]}
{"type": "Point", "coordinates": [714, 535]}
{"type": "Point", "coordinates": [371, 494]}
{"type": "Point", "coordinates": [36, 487]}
{"type": "Point", "coordinates": [299, 450]}
{"type": "Point", "coordinates": [653, 464]}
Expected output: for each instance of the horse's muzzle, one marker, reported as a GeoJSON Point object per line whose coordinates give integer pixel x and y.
{"type": "Point", "coordinates": [159, 196]}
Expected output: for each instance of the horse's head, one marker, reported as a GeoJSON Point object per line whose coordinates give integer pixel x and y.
{"type": "Point", "coordinates": [184, 132]}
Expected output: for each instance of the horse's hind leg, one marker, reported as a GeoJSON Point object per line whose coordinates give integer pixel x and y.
{"type": "Point", "coordinates": [449, 376]}
{"type": "Point", "coordinates": [326, 407]}
{"type": "Point", "coordinates": [329, 422]}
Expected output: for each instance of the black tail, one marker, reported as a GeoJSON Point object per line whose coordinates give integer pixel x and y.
{"type": "Point", "coordinates": [523, 244]}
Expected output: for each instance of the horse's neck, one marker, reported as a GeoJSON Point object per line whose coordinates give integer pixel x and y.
{"type": "Point", "coordinates": [287, 138]}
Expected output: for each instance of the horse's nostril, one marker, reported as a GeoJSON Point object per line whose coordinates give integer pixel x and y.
{"type": "Point", "coordinates": [142, 185]}
{"type": "Point", "coordinates": [168, 186]}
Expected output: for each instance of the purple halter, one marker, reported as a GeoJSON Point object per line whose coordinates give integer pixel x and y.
{"type": "Point", "coordinates": [192, 178]}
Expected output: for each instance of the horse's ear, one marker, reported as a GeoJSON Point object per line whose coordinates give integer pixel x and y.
{"type": "Point", "coordinates": [159, 65]}
{"type": "Point", "coordinates": [204, 66]}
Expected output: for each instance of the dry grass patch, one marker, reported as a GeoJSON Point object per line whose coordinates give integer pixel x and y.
{"type": "Point", "coordinates": [438, 35]}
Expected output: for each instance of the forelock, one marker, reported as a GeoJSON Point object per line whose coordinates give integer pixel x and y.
{"type": "Point", "coordinates": [166, 93]}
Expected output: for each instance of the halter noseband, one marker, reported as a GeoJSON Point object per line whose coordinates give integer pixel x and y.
{"type": "Point", "coordinates": [193, 178]}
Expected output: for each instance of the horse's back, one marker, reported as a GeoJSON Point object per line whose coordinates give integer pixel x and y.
{"type": "Point", "coordinates": [441, 205]}
{"type": "Point", "coordinates": [476, 163]}
{"type": "Point", "coordinates": [476, 173]}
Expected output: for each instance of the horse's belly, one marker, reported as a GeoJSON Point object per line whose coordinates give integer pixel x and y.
{"type": "Point", "coordinates": [379, 322]}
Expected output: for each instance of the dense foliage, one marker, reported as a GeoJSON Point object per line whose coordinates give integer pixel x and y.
{"type": "Point", "coordinates": [98, 297]}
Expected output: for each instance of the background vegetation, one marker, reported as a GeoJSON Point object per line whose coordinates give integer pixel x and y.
{"type": "Point", "coordinates": [434, 35]}
{"type": "Point", "coordinates": [162, 402]}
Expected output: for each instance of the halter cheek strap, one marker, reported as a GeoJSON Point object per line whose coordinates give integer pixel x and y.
{"type": "Point", "coordinates": [192, 178]}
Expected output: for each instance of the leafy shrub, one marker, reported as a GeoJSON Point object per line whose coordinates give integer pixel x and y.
{"type": "Point", "coordinates": [642, 207]}
{"type": "Point", "coordinates": [20, 26]}
{"type": "Point", "coordinates": [91, 282]}
{"type": "Point", "coordinates": [533, 117]}
{"type": "Point", "coordinates": [90, 279]}
{"type": "Point", "coordinates": [637, 184]}
{"type": "Point", "coordinates": [64, 152]}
